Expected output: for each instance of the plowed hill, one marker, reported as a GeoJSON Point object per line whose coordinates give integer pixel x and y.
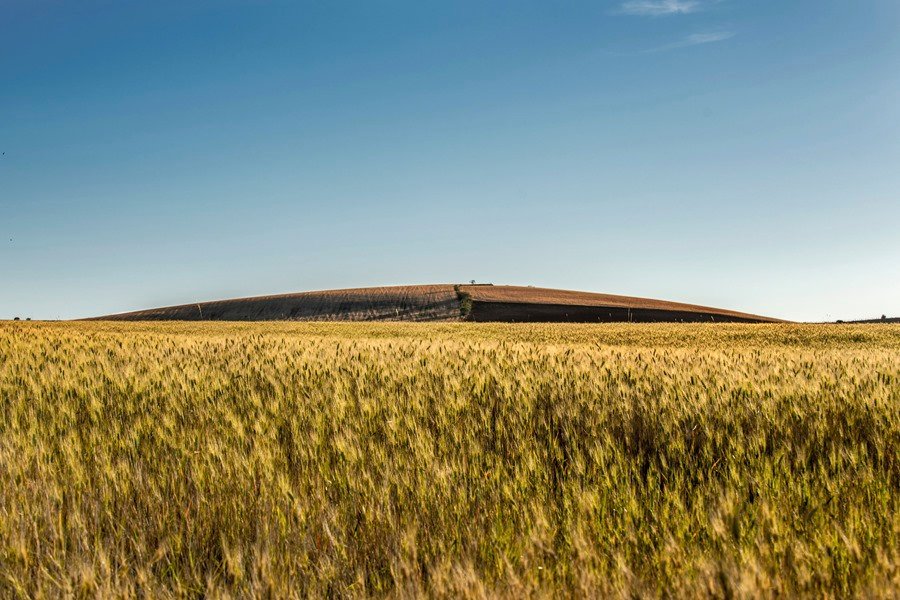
{"type": "Point", "coordinates": [400, 303]}
{"type": "Point", "coordinates": [516, 303]}
{"type": "Point", "coordinates": [442, 303]}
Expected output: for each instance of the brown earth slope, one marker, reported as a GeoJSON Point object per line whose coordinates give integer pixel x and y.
{"type": "Point", "coordinates": [523, 304]}
{"type": "Point", "coordinates": [399, 303]}
{"type": "Point", "coordinates": [442, 303]}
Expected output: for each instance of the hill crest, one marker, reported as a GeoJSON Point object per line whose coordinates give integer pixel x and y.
{"type": "Point", "coordinates": [442, 302]}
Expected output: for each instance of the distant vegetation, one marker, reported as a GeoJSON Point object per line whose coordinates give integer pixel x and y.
{"type": "Point", "coordinates": [458, 460]}
{"type": "Point", "coordinates": [883, 319]}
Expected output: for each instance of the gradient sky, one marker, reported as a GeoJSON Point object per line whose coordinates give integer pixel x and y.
{"type": "Point", "coordinates": [734, 153]}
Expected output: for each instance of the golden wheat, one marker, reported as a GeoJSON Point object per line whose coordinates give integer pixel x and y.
{"type": "Point", "coordinates": [356, 460]}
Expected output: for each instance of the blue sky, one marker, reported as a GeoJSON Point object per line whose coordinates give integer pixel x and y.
{"type": "Point", "coordinates": [735, 153]}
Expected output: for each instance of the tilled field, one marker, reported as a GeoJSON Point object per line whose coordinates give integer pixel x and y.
{"type": "Point", "coordinates": [443, 303]}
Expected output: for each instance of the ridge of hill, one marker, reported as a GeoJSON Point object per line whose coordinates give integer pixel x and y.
{"type": "Point", "coordinates": [517, 303]}
{"type": "Point", "coordinates": [442, 302]}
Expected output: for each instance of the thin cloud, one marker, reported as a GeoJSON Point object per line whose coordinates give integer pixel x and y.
{"type": "Point", "coordinates": [695, 39]}
{"type": "Point", "coordinates": [659, 8]}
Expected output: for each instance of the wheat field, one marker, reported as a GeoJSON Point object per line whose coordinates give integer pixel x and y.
{"type": "Point", "coordinates": [448, 460]}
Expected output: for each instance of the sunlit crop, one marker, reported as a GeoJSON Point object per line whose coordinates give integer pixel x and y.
{"type": "Point", "coordinates": [297, 460]}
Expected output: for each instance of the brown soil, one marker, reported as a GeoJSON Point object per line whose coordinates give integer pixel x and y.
{"type": "Point", "coordinates": [442, 303]}
{"type": "Point", "coordinates": [399, 303]}
{"type": "Point", "coordinates": [516, 303]}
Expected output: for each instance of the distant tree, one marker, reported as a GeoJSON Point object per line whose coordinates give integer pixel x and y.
{"type": "Point", "coordinates": [884, 317]}
{"type": "Point", "coordinates": [472, 281]}
{"type": "Point", "coordinates": [27, 318]}
{"type": "Point", "coordinates": [16, 319]}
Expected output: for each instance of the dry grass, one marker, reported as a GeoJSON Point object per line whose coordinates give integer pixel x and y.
{"type": "Point", "coordinates": [448, 460]}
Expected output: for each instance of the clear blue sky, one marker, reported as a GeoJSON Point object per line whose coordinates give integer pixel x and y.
{"type": "Point", "coordinates": [736, 153]}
